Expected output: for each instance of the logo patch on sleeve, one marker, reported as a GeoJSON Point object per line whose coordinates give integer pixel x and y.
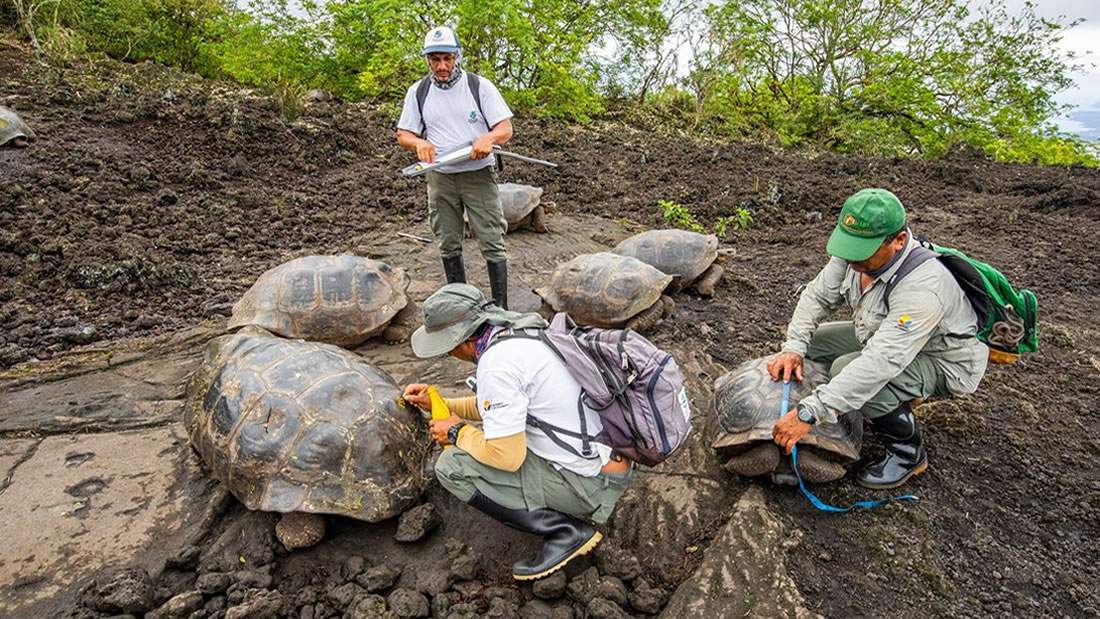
{"type": "Point", "coordinates": [905, 322]}
{"type": "Point", "coordinates": [489, 405]}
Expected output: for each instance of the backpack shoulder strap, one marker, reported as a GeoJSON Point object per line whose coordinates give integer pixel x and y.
{"type": "Point", "coordinates": [551, 430]}
{"type": "Point", "coordinates": [422, 96]}
{"type": "Point", "coordinates": [917, 257]}
{"type": "Point", "coordinates": [475, 89]}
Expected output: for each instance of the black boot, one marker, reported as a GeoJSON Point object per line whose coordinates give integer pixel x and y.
{"type": "Point", "coordinates": [905, 456]}
{"type": "Point", "coordinates": [564, 537]}
{"type": "Point", "coordinates": [498, 282]}
{"type": "Point", "coordinates": [453, 270]}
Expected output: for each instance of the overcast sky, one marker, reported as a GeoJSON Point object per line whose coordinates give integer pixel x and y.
{"type": "Point", "coordinates": [1083, 39]}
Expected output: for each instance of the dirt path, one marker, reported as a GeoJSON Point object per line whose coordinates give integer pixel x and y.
{"type": "Point", "coordinates": [152, 201]}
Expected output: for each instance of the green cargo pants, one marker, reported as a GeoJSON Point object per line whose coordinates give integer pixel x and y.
{"type": "Point", "coordinates": [535, 485]}
{"type": "Point", "coordinates": [475, 193]}
{"type": "Point", "coordinates": [836, 343]}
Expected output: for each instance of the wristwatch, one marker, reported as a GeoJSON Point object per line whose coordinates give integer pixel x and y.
{"type": "Point", "coordinates": [452, 433]}
{"type": "Point", "coordinates": [806, 415]}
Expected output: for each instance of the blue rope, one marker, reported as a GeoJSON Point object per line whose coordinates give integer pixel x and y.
{"type": "Point", "coordinates": [816, 502]}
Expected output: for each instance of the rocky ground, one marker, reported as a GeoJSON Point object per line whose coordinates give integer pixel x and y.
{"type": "Point", "coordinates": [152, 201]}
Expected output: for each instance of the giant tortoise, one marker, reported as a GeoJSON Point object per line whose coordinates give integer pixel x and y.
{"type": "Point", "coordinates": [13, 131]}
{"type": "Point", "coordinates": [687, 256]}
{"type": "Point", "coordinates": [304, 428]}
{"type": "Point", "coordinates": [342, 300]}
{"type": "Point", "coordinates": [608, 290]}
{"type": "Point", "coordinates": [521, 206]}
{"type": "Point", "coordinates": [747, 402]}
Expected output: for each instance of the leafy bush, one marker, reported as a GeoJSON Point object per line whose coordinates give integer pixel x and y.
{"type": "Point", "coordinates": [881, 77]}
{"type": "Point", "coordinates": [677, 215]}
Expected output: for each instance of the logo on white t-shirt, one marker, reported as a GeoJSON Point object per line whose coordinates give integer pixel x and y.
{"type": "Point", "coordinates": [473, 117]}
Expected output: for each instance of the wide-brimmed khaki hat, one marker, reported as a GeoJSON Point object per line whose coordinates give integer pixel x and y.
{"type": "Point", "coordinates": [451, 315]}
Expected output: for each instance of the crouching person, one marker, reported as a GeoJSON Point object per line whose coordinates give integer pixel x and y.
{"type": "Point", "coordinates": [509, 469]}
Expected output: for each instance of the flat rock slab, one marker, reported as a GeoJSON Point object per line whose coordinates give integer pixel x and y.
{"type": "Point", "coordinates": [744, 571]}
{"type": "Point", "coordinates": [133, 384]}
{"type": "Point", "coordinates": [77, 504]}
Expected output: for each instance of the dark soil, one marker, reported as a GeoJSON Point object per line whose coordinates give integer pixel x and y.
{"type": "Point", "coordinates": [152, 200]}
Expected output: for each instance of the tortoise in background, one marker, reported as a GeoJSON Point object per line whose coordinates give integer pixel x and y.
{"type": "Point", "coordinates": [521, 206]}
{"type": "Point", "coordinates": [342, 300]}
{"type": "Point", "coordinates": [747, 403]}
{"type": "Point", "coordinates": [13, 131]}
{"type": "Point", "coordinates": [610, 291]}
{"type": "Point", "coordinates": [304, 428]}
{"type": "Point", "coordinates": [687, 256]}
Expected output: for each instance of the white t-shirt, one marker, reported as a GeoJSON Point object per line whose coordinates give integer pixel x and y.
{"type": "Point", "coordinates": [453, 120]}
{"type": "Point", "coordinates": [521, 377]}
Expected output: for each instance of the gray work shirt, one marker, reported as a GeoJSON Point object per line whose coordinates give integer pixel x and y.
{"type": "Point", "coordinates": [928, 313]}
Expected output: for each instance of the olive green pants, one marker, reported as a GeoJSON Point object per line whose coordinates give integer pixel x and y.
{"type": "Point", "coordinates": [536, 485]}
{"type": "Point", "coordinates": [475, 194]}
{"type": "Point", "coordinates": [836, 343]}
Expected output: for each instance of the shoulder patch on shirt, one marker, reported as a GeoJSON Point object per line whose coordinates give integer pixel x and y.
{"type": "Point", "coordinates": [488, 405]}
{"type": "Point", "coordinates": [905, 323]}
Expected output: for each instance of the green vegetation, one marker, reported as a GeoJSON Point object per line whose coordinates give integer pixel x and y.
{"type": "Point", "coordinates": [677, 215]}
{"type": "Point", "coordinates": [740, 220]}
{"type": "Point", "coordinates": [916, 78]}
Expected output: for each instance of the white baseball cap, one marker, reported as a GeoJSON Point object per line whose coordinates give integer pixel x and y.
{"type": "Point", "coordinates": [441, 39]}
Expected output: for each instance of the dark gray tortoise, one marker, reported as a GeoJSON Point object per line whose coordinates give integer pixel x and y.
{"type": "Point", "coordinates": [522, 207]}
{"type": "Point", "coordinates": [13, 131]}
{"type": "Point", "coordinates": [608, 290]}
{"type": "Point", "coordinates": [687, 256]}
{"type": "Point", "coordinates": [304, 428]}
{"type": "Point", "coordinates": [342, 300]}
{"type": "Point", "coordinates": [747, 403]}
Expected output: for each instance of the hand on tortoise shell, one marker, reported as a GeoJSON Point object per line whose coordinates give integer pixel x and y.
{"type": "Point", "coordinates": [417, 395]}
{"type": "Point", "coordinates": [786, 365]}
{"type": "Point", "coordinates": [789, 430]}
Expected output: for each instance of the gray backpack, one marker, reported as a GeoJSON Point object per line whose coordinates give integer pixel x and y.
{"type": "Point", "coordinates": [635, 387]}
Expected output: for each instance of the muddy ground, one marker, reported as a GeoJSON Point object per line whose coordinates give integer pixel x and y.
{"type": "Point", "coordinates": [152, 201]}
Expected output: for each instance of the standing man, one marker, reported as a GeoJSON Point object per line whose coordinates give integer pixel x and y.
{"type": "Point", "coordinates": [911, 336]}
{"type": "Point", "coordinates": [449, 109]}
{"type": "Point", "coordinates": [508, 468]}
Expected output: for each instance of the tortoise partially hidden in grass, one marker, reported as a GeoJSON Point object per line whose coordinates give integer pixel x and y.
{"type": "Point", "coordinates": [342, 300]}
{"type": "Point", "coordinates": [608, 290]}
{"type": "Point", "coordinates": [304, 428]}
{"type": "Point", "coordinates": [747, 403]}
{"type": "Point", "coordinates": [13, 131]}
{"type": "Point", "coordinates": [687, 256]}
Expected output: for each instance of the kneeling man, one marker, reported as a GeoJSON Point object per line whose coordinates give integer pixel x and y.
{"type": "Point", "coordinates": [510, 469]}
{"type": "Point", "coordinates": [909, 338]}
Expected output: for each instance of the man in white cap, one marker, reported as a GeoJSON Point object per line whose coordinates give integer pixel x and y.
{"type": "Point", "coordinates": [509, 468]}
{"type": "Point", "coordinates": [449, 109]}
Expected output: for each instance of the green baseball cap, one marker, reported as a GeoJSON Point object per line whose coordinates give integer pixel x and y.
{"type": "Point", "coordinates": [866, 219]}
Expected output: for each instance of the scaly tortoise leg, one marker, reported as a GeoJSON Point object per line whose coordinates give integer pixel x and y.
{"type": "Point", "coordinates": [708, 280]}
{"type": "Point", "coordinates": [650, 317]}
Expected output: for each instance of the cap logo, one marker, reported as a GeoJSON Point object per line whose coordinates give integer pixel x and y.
{"type": "Point", "coordinates": [438, 35]}
{"type": "Point", "coordinates": [849, 221]}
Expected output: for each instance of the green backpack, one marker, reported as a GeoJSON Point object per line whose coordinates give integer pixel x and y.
{"type": "Point", "coordinates": [1006, 316]}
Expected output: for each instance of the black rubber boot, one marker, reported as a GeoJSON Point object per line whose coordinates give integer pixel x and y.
{"type": "Point", "coordinates": [498, 282]}
{"type": "Point", "coordinates": [564, 537]}
{"type": "Point", "coordinates": [453, 270]}
{"type": "Point", "coordinates": [905, 456]}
